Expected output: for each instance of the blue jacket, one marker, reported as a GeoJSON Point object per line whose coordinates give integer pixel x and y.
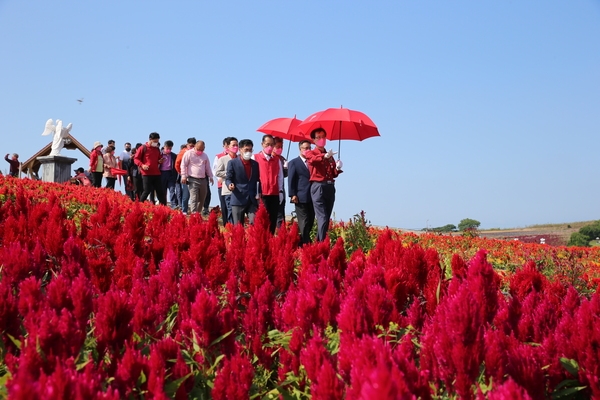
{"type": "Point", "coordinates": [299, 180]}
{"type": "Point", "coordinates": [245, 189]}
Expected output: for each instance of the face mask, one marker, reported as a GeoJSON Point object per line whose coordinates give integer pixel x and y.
{"type": "Point", "coordinates": [303, 152]}
{"type": "Point", "coordinates": [199, 152]}
{"type": "Point", "coordinates": [154, 144]}
{"type": "Point", "coordinates": [127, 148]}
{"type": "Point", "coordinates": [321, 142]}
{"type": "Point", "coordinates": [247, 155]}
{"type": "Point", "coordinates": [167, 151]}
{"type": "Point", "coordinates": [278, 150]}
{"type": "Point", "coordinates": [233, 149]}
{"type": "Point", "coordinates": [268, 150]}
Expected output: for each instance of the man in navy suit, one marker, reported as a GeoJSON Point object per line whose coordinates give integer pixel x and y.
{"type": "Point", "coordinates": [242, 180]}
{"type": "Point", "coordinates": [299, 190]}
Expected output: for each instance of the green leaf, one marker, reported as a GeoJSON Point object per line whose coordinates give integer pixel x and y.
{"type": "Point", "coordinates": [195, 344]}
{"type": "Point", "coordinates": [172, 387]}
{"type": "Point", "coordinates": [567, 392]}
{"type": "Point", "coordinates": [142, 379]}
{"type": "Point", "coordinates": [214, 366]}
{"type": "Point", "coordinates": [223, 336]}
{"type": "Point", "coordinates": [15, 341]}
{"type": "Point", "coordinates": [570, 365]}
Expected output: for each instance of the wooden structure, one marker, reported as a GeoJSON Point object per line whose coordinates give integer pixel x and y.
{"type": "Point", "coordinates": [31, 167]}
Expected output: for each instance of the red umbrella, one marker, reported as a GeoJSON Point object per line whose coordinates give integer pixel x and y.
{"type": "Point", "coordinates": [283, 128]}
{"type": "Point", "coordinates": [339, 123]}
{"type": "Point", "coordinates": [118, 171]}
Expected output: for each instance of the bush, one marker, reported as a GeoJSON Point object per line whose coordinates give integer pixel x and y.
{"type": "Point", "coordinates": [579, 239]}
{"type": "Point", "coordinates": [591, 231]}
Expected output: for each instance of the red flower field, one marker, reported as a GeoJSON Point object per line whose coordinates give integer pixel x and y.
{"type": "Point", "coordinates": [105, 298]}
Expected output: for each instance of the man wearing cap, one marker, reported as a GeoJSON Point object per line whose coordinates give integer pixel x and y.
{"type": "Point", "coordinates": [81, 178]}
{"type": "Point", "coordinates": [148, 158]}
{"type": "Point", "coordinates": [96, 164]}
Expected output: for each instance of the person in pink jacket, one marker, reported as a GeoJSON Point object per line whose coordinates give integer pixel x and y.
{"type": "Point", "coordinates": [110, 162]}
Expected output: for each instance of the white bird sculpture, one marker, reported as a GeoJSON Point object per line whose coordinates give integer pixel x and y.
{"type": "Point", "coordinates": [60, 134]}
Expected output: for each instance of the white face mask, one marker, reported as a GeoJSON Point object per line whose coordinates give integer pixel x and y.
{"type": "Point", "coordinates": [247, 155]}
{"type": "Point", "coordinates": [154, 144]}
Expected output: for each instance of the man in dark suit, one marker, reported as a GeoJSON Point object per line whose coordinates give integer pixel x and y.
{"type": "Point", "coordinates": [242, 180]}
{"type": "Point", "coordinates": [299, 190]}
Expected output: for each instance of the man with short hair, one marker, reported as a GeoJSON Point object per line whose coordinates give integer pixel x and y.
{"type": "Point", "coordinates": [125, 156]}
{"type": "Point", "coordinates": [323, 171]}
{"type": "Point", "coordinates": [271, 179]}
{"type": "Point", "coordinates": [224, 209]}
{"type": "Point", "coordinates": [196, 172]}
{"type": "Point", "coordinates": [168, 173]}
{"type": "Point", "coordinates": [242, 180]}
{"type": "Point", "coordinates": [231, 149]}
{"type": "Point", "coordinates": [184, 191]}
{"type": "Point", "coordinates": [278, 152]}
{"type": "Point", "coordinates": [14, 164]}
{"type": "Point", "coordinates": [109, 143]}
{"type": "Point", "coordinates": [299, 190]}
{"type": "Point", "coordinates": [148, 158]}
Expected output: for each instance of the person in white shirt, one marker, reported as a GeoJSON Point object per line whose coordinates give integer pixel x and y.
{"type": "Point", "coordinates": [125, 156]}
{"type": "Point", "coordinates": [196, 172]}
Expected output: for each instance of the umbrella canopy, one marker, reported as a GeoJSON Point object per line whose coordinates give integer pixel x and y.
{"type": "Point", "coordinates": [118, 171]}
{"type": "Point", "coordinates": [282, 127]}
{"type": "Point", "coordinates": [339, 123]}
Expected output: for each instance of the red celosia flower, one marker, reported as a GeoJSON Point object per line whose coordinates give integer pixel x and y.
{"type": "Point", "coordinates": [234, 379]}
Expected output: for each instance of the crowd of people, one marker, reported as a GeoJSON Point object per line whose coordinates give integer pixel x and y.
{"type": "Point", "coordinates": [244, 178]}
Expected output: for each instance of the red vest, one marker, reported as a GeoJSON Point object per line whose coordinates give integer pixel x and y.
{"type": "Point", "coordinates": [268, 172]}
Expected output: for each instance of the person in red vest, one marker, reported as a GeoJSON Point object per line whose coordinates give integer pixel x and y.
{"type": "Point", "coordinates": [148, 158]}
{"type": "Point", "coordinates": [271, 179]}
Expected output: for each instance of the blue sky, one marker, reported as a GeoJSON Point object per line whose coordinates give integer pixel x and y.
{"type": "Point", "coordinates": [487, 110]}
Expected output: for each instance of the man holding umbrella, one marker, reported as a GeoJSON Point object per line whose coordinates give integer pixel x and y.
{"type": "Point", "coordinates": [323, 171]}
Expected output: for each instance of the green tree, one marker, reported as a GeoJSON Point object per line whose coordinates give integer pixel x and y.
{"type": "Point", "coordinates": [578, 239]}
{"type": "Point", "coordinates": [445, 228]}
{"type": "Point", "coordinates": [468, 224]}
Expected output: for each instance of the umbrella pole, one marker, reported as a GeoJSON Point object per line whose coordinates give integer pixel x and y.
{"type": "Point", "coordinates": [340, 142]}
{"type": "Point", "coordinates": [287, 157]}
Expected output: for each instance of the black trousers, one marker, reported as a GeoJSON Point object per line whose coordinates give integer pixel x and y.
{"type": "Point", "coordinates": [224, 211]}
{"type": "Point", "coordinates": [305, 213]}
{"type": "Point", "coordinates": [271, 203]}
{"type": "Point", "coordinates": [153, 183]}
{"type": "Point", "coordinates": [110, 183]}
{"type": "Point", "coordinates": [97, 181]}
{"type": "Point", "coordinates": [207, 199]}
{"type": "Point", "coordinates": [323, 197]}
